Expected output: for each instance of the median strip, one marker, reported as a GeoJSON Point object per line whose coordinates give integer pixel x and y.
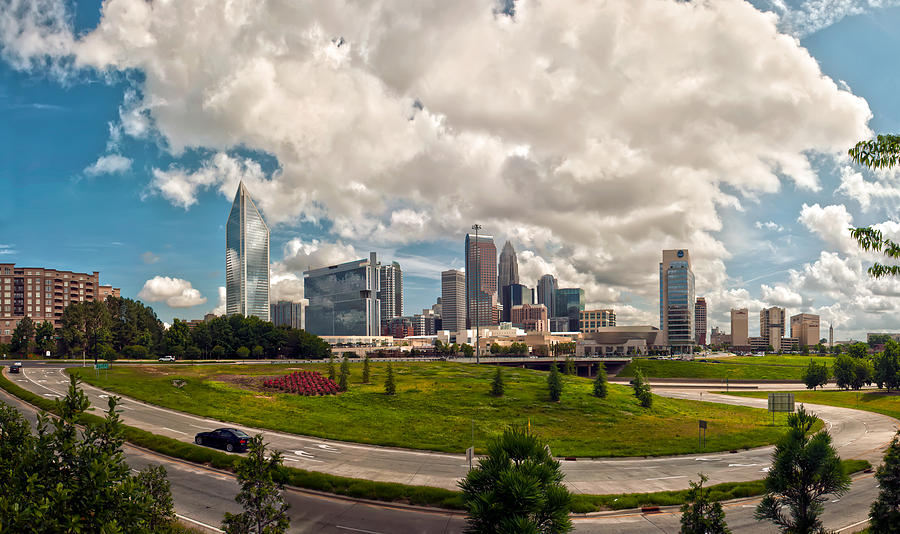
{"type": "Point", "coordinates": [394, 492]}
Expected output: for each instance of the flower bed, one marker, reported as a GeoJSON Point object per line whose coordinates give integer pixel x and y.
{"type": "Point", "coordinates": [308, 383]}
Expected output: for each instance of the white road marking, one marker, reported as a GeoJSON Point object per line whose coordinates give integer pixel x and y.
{"type": "Point", "coordinates": [742, 465]}
{"type": "Point", "coordinates": [327, 448]}
{"type": "Point", "coordinates": [292, 459]}
{"type": "Point", "coordinates": [357, 530]}
{"type": "Point", "coordinates": [52, 395]}
{"type": "Point", "coordinates": [202, 524]}
{"type": "Point", "coordinates": [667, 478]}
{"type": "Point", "coordinates": [854, 525]}
{"type": "Point", "coordinates": [173, 430]}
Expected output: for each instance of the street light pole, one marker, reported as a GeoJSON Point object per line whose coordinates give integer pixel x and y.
{"type": "Point", "coordinates": [477, 227]}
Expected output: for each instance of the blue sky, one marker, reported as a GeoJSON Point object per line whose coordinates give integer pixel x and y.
{"type": "Point", "coordinates": [124, 140]}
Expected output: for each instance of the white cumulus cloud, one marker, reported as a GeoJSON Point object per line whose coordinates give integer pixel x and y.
{"type": "Point", "coordinates": [175, 292]}
{"type": "Point", "coordinates": [109, 164]}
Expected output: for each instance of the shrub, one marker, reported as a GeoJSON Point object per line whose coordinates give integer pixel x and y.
{"type": "Point", "coordinates": [554, 383]}
{"type": "Point", "coordinates": [243, 353]}
{"type": "Point", "coordinates": [601, 386]}
{"type": "Point", "coordinates": [306, 383]}
{"type": "Point", "coordinates": [389, 387]}
{"type": "Point", "coordinates": [137, 352]}
{"type": "Point", "coordinates": [497, 385]}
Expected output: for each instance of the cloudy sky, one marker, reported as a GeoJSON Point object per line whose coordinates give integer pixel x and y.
{"type": "Point", "coordinates": [590, 134]}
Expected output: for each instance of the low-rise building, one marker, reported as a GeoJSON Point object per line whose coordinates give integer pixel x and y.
{"type": "Point", "coordinates": [530, 317]}
{"type": "Point", "coordinates": [592, 320]}
{"type": "Point", "coordinates": [620, 341]}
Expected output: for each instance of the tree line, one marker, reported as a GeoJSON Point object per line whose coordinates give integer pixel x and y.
{"type": "Point", "coordinates": [121, 327]}
{"type": "Point", "coordinates": [857, 369]}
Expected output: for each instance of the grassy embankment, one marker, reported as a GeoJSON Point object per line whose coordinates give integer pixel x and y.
{"type": "Point", "coordinates": [436, 404]}
{"type": "Point", "coordinates": [873, 401]}
{"type": "Point", "coordinates": [773, 367]}
{"type": "Point", "coordinates": [392, 492]}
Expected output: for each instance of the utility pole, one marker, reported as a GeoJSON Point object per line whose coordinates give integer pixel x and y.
{"type": "Point", "coordinates": [477, 227]}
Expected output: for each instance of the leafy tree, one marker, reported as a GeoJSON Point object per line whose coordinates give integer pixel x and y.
{"type": "Point", "coordinates": [137, 352]}
{"type": "Point", "coordinates": [242, 353]}
{"type": "Point", "coordinates": [858, 350]}
{"type": "Point", "coordinates": [22, 336]}
{"type": "Point", "coordinates": [366, 369]}
{"type": "Point", "coordinates": [877, 339]}
{"type": "Point", "coordinates": [257, 352]}
{"type": "Point", "coordinates": [884, 515]}
{"type": "Point", "coordinates": [497, 383]}
{"type": "Point", "coordinates": [467, 350]}
{"type": "Point", "coordinates": [642, 389]}
{"type": "Point", "coordinates": [554, 383]}
{"type": "Point", "coordinates": [887, 366]}
{"type": "Point", "coordinates": [265, 511]}
{"type": "Point", "coordinates": [345, 373]}
{"type": "Point", "coordinates": [569, 367]}
{"type": "Point", "coordinates": [805, 468]}
{"type": "Point", "coordinates": [699, 515]}
{"type": "Point", "coordinates": [601, 385]}
{"type": "Point", "coordinates": [331, 371]}
{"type": "Point", "coordinates": [65, 480]}
{"type": "Point", "coordinates": [43, 338]}
{"type": "Point", "coordinates": [218, 351]}
{"type": "Point", "coordinates": [389, 387]}
{"type": "Point", "coordinates": [862, 373]}
{"type": "Point", "coordinates": [816, 375]}
{"type": "Point", "coordinates": [517, 487]}
{"type": "Point", "coordinates": [496, 348]}
{"type": "Point", "coordinates": [178, 338]}
{"type": "Point", "coordinates": [843, 371]}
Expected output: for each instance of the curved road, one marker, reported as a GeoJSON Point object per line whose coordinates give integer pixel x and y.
{"type": "Point", "coordinates": [856, 434]}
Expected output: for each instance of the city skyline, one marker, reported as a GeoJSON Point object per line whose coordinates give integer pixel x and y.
{"type": "Point", "coordinates": [766, 224]}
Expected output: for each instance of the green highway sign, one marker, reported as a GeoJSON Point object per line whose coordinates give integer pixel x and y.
{"type": "Point", "coordinates": [99, 366]}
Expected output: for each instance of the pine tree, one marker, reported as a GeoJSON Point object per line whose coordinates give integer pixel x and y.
{"type": "Point", "coordinates": [642, 389]}
{"type": "Point", "coordinates": [517, 487]}
{"type": "Point", "coordinates": [884, 515]}
{"type": "Point", "coordinates": [554, 383]}
{"type": "Point", "coordinates": [497, 385]}
{"type": "Point", "coordinates": [389, 387]}
{"type": "Point", "coordinates": [698, 515]}
{"type": "Point", "coordinates": [331, 373]}
{"type": "Point", "coordinates": [366, 369]}
{"type": "Point", "coordinates": [600, 383]}
{"type": "Point", "coordinates": [805, 468]}
{"type": "Point", "coordinates": [345, 373]}
{"type": "Point", "coordinates": [569, 368]}
{"type": "Point", "coordinates": [260, 495]}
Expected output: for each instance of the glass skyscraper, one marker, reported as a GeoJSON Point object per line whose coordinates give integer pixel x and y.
{"type": "Point", "coordinates": [570, 303]}
{"type": "Point", "coordinates": [676, 298]}
{"type": "Point", "coordinates": [343, 299]}
{"type": "Point", "coordinates": [481, 281]}
{"type": "Point", "coordinates": [246, 259]}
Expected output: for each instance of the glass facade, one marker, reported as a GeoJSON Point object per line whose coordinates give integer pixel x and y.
{"type": "Point", "coordinates": [343, 299]}
{"type": "Point", "coordinates": [546, 293]}
{"type": "Point", "coordinates": [514, 295]}
{"type": "Point", "coordinates": [246, 259]}
{"type": "Point", "coordinates": [570, 303]}
{"type": "Point", "coordinates": [481, 281]}
{"type": "Point", "coordinates": [680, 303]}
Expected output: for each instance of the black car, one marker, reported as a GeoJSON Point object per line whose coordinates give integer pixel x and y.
{"type": "Point", "coordinates": [230, 439]}
{"type": "Point", "coordinates": [14, 368]}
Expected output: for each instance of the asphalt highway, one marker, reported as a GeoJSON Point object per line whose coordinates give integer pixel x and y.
{"type": "Point", "coordinates": [203, 495]}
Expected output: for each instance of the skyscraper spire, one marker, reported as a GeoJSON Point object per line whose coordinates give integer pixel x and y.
{"type": "Point", "coordinates": [508, 268]}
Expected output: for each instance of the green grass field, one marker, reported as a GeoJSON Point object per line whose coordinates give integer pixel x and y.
{"type": "Point", "coordinates": [872, 401]}
{"type": "Point", "coordinates": [436, 404]}
{"type": "Point", "coordinates": [734, 368]}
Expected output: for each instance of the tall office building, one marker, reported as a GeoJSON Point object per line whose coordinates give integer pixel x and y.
{"type": "Point", "coordinates": [246, 259]}
{"type": "Point", "coordinates": [343, 299]}
{"type": "Point", "coordinates": [771, 326]}
{"type": "Point", "coordinates": [805, 328]}
{"type": "Point", "coordinates": [43, 294]}
{"type": "Point", "coordinates": [481, 281]}
{"type": "Point", "coordinates": [592, 320]}
{"type": "Point", "coordinates": [514, 295]}
{"type": "Point", "coordinates": [740, 330]}
{"type": "Point", "coordinates": [570, 303]}
{"type": "Point", "coordinates": [676, 298]}
{"type": "Point", "coordinates": [391, 293]}
{"type": "Point", "coordinates": [546, 293]}
{"type": "Point", "coordinates": [508, 268]}
{"type": "Point", "coordinates": [287, 313]}
{"type": "Point", "coordinates": [453, 300]}
{"type": "Point", "coordinates": [700, 321]}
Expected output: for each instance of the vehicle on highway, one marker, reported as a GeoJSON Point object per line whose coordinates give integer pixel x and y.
{"type": "Point", "coordinates": [230, 439]}
{"type": "Point", "coordinates": [14, 368]}
{"type": "Point", "coordinates": [168, 358]}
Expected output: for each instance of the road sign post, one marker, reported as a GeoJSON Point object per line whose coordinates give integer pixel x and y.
{"type": "Point", "coordinates": [781, 402]}
{"type": "Point", "coordinates": [701, 429]}
{"type": "Point", "coordinates": [470, 455]}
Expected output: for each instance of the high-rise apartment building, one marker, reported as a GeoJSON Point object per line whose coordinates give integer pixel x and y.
{"type": "Point", "coordinates": [453, 300]}
{"type": "Point", "coordinates": [805, 328]}
{"type": "Point", "coordinates": [391, 293]}
{"type": "Point", "coordinates": [287, 313]}
{"type": "Point", "coordinates": [570, 303]}
{"type": "Point", "coordinates": [591, 320]}
{"type": "Point", "coordinates": [514, 295]}
{"type": "Point", "coordinates": [676, 298]}
{"type": "Point", "coordinates": [771, 326]}
{"type": "Point", "coordinates": [343, 299]}
{"type": "Point", "coordinates": [508, 268]}
{"type": "Point", "coordinates": [700, 321]}
{"type": "Point", "coordinates": [481, 281]}
{"type": "Point", "coordinates": [246, 259]}
{"type": "Point", "coordinates": [740, 330]}
{"type": "Point", "coordinates": [546, 293]}
{"type": "Point", "coordinates": [42, 294]}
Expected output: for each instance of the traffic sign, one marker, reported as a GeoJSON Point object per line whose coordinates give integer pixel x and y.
{"type": "Point", "coordinates": [100, 366]}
